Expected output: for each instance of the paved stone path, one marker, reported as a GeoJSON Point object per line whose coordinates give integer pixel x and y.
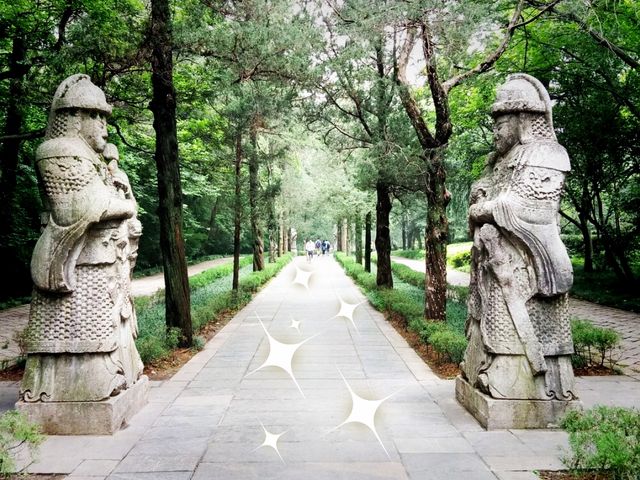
{"type": "Point", "coordinates": [14, 320]}
{"type": "Point", "coordinates": [627, 324]}
{"type": "Point", "coordinates": [209, 420]}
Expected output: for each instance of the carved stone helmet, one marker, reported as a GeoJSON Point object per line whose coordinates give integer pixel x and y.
{"type": "Point", "coordinates": [522, 93]}
{"type": "Point", "coordinates": [77, 91]}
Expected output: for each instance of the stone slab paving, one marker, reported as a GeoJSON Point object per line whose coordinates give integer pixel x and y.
{"type": "Point", "coordinates": [627, 324]}
{"type": "Point", "coordinates": [209, 420]}
{"type": "Point", "coordinates": [14, 320]}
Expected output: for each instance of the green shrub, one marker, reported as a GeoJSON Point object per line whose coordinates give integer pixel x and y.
{"type": "Point", "coordinates": [456, 315]}
{"type": "Point", "coordinates": [211, 295]}
{"type": "Point", "coordinates": [408, 275]}
{"type": "Point", "coordinates": [416, 324]}
{"type": "Point", "coordinates": [198, 343]}
{"type": "Point", "coordinates": [457, 293]}
{"type": "Point", "coordinates": [205, 278]}
{"type": "Point", "coordinates": [16, 431]}
{"type": "Point", "coordinates": [430, 328]}
{"type": "Point", "coordinates": [406, 299]}
{"type": "Point", "coordinates": [407, 308]}
{"type": "Point", "coordinates": [605, 439]}
{"type": "Point", "coordinates": [460, 261]}
{"type": "Point", "coordinates": [412, 254]}
{"type": "Point", "coordinates": [367, 280]}
{"type": "Point", "coordinates": [593, 345]}
{"type": "Point", "coordinates": [449, 343]}
{"type": "Point", "coordinates": [250, 283]}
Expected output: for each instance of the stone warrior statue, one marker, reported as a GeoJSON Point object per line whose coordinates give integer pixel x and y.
{"type": "Point", "coordinates": [82, 325]}
{"type": "Point", "coordinates": [518, 328]}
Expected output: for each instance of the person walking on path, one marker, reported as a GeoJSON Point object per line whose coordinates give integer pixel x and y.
{"type": "Point", "coordinates": [309, 246]}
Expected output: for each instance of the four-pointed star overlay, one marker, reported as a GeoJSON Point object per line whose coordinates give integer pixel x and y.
{"type": "Point", "coordinates": [281, 355]}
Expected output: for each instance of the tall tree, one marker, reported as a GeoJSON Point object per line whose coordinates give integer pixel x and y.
{"type": "Point", "coordinates": [425, 26]}
{"type": "Point", "coordinates": [589, 55]}
{"type": "Point", "coordinates": [163, 106]}
{"type": "Point", "coordinates": [355, 82]}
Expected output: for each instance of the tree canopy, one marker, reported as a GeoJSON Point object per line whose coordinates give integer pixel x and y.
{"type": "Point", "coordinates": [308, 116]}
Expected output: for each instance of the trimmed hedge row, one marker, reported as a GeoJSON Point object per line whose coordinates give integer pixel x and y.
{"type": "Point", "coordinates": [204, 278]}
{"type": "Point", "coordinates": [412, 254]}
{"type": "Point", "coordinates": [211, 295]}
{"type": "Point", "coordinates": [593, 345]}
{"type": "Point", "coordinates": [447, 339]}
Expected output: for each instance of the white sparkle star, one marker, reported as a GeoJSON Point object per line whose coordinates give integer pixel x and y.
{"type": "Point", "coordinates": [280, 355]}
{"type": "Point", "coordinates": [346, 311]}
{"type": "Point", "coordinates": [363, 411]}
{"type": "Point", "coordinates": [295, 324]}
{"type": "Point", "coordinates": [302, 277]}
{"type": "Point", "coordinates": [271, 440]}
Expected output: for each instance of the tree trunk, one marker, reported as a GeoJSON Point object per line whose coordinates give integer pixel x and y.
{"type": "Point", "coordinates": [213, 229]}
{"type": "Point", "coordinates": [384, 277]}
{"type": "Point", "coordinates": [163, 106]}
{"type": "Point", "coordinates": [345, 236]}
{"type": "Point", "coordinates": [238, 214]}
{"type": "Point", "coordinates": [16, 273]}
{"type": "Point", "coordinates": [358, 239]}
{"type": "Point", "coordinates": [289, 239]}
{"type": "Point", "coordinates": [435, 242]}
{"type": "Point", "coordinates": [339, 236]}
{"type": "Point", "coordinates": [256, 232]}
{"type": "Point", "coordinates": [404, 231]}
{"type": "Point", "coordinates": [281, 236]}
{"type": "Point", "coordinates": [367, 242]}
{"type": "Point", "coordinates": [10, 152]}
{"type": "Point", "coordinates": [273, 245]}
{"type": "Point", "coordinates": [588, 243]}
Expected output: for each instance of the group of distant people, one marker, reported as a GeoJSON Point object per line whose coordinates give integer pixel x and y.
{"type": "Point", "coordinates": [316, 248]}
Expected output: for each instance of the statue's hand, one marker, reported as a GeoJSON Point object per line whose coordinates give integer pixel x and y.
{"type": "Point", "coordinates": [120, 179]}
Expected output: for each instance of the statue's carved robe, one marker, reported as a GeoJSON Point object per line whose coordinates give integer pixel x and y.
{"type": "Point", "coordinates": [81, 325]}
{"type": "Point", "coordinates": [518, 325]}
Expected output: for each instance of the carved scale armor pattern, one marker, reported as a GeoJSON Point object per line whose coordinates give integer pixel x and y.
{"type": "Point", "coordinates": [77, 323]}
{"type": "Point", "coordinates": [539, 184]}
{"type": "Point", "coordinates": [64, 176]}
{"type": "Point", "coordinates": [550, 319]}
{"type": "Point", "coordinates": [540, 128]}
{"type": "Point", "coordinates": [60, 126]}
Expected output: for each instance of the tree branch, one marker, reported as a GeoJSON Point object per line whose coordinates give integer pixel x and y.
{"type": "Point", "coordinates": [600, 39]}
{"type": "Point", "coordinates": [491, 59]}
{"type": "Point", "coordinates": [124, 140]}
{"type": "Point", "coordinates": [24, 136]}
{"type": "Point", "coordinates": [409, 103]}
{"type": "Point", "coordinates": [438, 92]}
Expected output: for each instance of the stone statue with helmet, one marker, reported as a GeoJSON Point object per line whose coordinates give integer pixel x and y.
{"type": "Point", "coordinates": [517, 370]}
{"type": "Point", "coordinates": [81, 357]}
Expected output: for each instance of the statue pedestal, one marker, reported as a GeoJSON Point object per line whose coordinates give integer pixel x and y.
{"type": "Point", "coordinates": [496, 414]}
{"type": "Point", "coordinates": [88, 418]}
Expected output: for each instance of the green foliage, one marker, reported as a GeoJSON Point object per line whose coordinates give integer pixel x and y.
{"type": "Point", "coordinates": [604, 287]}
{"type": "Point", "coordinates": [449, 343]}
{"type": "Point", "coordinates": [593, 345]}
{"type": "Point", "coordinates": [407, 301]}
{"type": "Point", "coordinates": [198, 343]}
{"type": "Point", "coordinates": [211, 295]}
{"type": "Point", "coordinates": [604, 440]}
{"type": "Point", "coordinates": [255, 280]}
{"type": "Point", "coordinates": [460, 261]}
{"type": "Point", "coordinates": [408, 275]}
{"type": "Point", "coordinates": [208, 276]}
{"type": "Point", "coordinates": [412, 254]}
{"type": "Point", "coordinates": [15, 431]}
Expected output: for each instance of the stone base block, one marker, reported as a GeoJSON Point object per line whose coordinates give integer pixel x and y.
{"type": "Point", "coordinates": [495, 414]}
{"type": "Point", "coordinates": [88, 418]}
